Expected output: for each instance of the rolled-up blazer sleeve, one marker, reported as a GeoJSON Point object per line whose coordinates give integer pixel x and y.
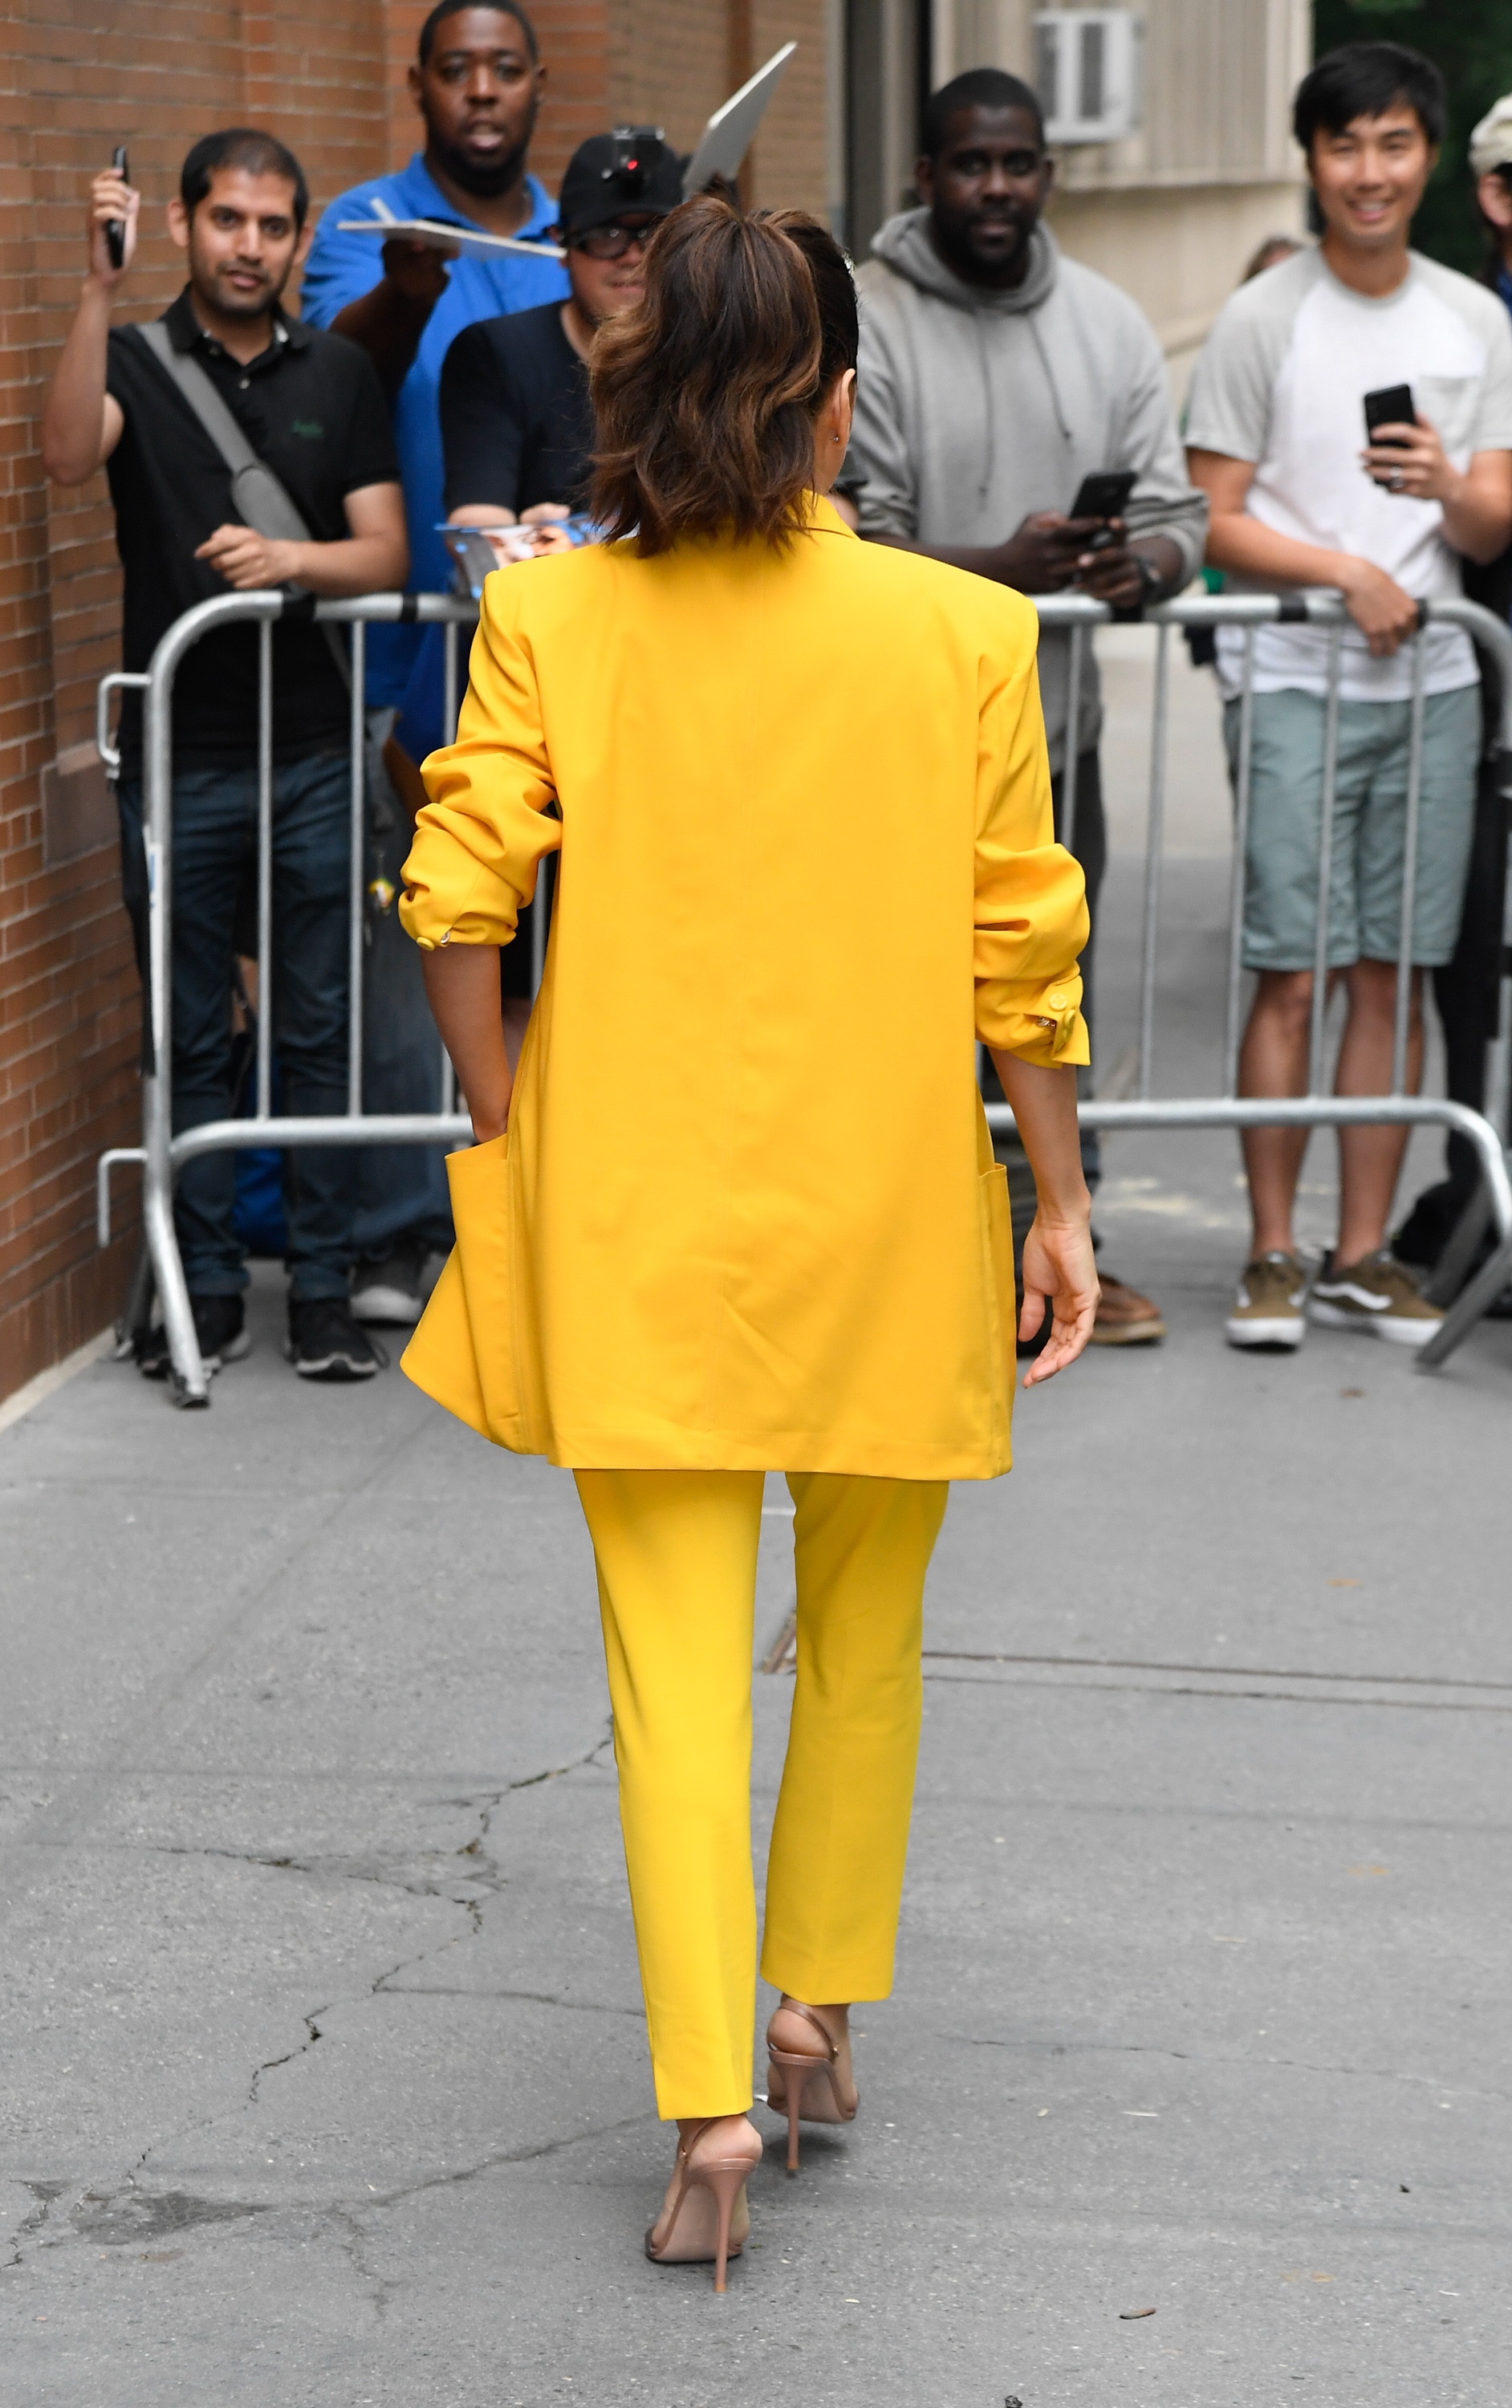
{"type": "Point", "coordinates": [481, 836]}
{"type": "Point", "coordinates": [1031, 915]}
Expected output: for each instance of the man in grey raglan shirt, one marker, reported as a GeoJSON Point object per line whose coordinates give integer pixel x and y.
{"type": "Point", "coordinates": [1301, 496]}
{"type": "Point", "coordinates": [994, 375]}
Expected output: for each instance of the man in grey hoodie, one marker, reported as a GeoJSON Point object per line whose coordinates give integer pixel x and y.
{"type": "Point", "coordinates": [994, 375]}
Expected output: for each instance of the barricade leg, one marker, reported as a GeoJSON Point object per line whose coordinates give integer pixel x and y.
{"type": "Point", "coordinates": [1455, 1261]}
{"type": "Point", "coordinates": [1466, 1310]}
{"type": "Point", "coordinates": [188, 1384]}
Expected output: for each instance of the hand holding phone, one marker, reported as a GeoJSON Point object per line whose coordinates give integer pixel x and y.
{"type": "Point", "coordinates": [114, 230]}
{"type": "Point", "coordinates": [1104, 495]}
{"type": "Point", "coordinates": [1390, 405]}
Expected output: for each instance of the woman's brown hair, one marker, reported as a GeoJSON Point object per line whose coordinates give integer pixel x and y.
{"type": "Point", "coordinates": [705, 394]}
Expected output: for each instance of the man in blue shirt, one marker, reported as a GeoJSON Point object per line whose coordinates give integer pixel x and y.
{"type": "Point", "coordinates": [477, 84]}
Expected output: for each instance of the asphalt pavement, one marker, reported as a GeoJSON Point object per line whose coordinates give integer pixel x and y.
{"type": "Point", "coordinates": [326, 2077]}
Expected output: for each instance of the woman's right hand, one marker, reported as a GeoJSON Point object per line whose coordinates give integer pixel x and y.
{"type": "Point", "coordinates": [1059, 1270]}
{"type": "Point", "coordinates": [487, 1125]}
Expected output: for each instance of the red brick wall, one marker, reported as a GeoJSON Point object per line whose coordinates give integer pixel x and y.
{"type": "Point", "coordinates": [329, 76]}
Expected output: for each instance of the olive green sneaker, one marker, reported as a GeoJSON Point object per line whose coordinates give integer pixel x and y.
{"type": "Point", "coordinates": [1268, 1309]}
{"type": "Point", "coordinates": [1378, 1294]}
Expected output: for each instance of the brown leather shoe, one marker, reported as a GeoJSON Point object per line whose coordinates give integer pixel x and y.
{"type": "Point", "coordinates": [1124, 1317]}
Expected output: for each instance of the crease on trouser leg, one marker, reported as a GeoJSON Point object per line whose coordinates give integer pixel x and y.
{"type": "Point", "coordinates": [676, 1553]}
{"type": "Point", "coordinates": [862, 1547]}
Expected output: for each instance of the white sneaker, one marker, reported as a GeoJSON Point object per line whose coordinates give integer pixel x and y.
{"type": "Point", "coordinates": [1269, 1308]}
{"type": "Point", "coordinates": [1378, 1294]}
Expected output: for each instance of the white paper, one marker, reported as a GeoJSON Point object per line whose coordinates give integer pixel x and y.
{"type": "Point", "coordinates": [731, 130]}
{"type": "Point", "coordinates": [465, 240]}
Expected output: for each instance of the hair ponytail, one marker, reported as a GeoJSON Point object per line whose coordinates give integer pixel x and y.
{"type": "Point", "coordinates": [705, 394]}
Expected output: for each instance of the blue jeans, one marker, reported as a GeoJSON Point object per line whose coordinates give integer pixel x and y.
{"type": "Point", "coordinates": [214, 847]}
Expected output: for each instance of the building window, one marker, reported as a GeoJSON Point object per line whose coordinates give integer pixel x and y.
{"type": "Point", "coordinates": [887, 59]}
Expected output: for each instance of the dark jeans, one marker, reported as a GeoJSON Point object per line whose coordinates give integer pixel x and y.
{"type": "Point", "coordinates": [1091, 851]}
{"type": "Point", "coordinates": [214, 847]}
{"type": "Point", "coordinates": [402, 1189]}
{"type": "Point", "coordinates": [1467, 993]}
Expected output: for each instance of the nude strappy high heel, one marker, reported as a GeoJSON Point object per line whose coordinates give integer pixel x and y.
{"type": "Point", "coordinates": [810, 2084]}
{"type": "Point", "coordinates": [708, 2216]}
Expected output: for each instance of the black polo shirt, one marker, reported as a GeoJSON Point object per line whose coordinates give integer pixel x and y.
{"type": "Point", "coordinates": [311, 406]}
{"type": "Point", "coordinates": [516, 423]}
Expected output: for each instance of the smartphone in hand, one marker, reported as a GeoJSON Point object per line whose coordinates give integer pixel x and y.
{"type": "Point", "coordinates": [115, 229]}
{"type": "Point", "coordinates": [1104, 495]}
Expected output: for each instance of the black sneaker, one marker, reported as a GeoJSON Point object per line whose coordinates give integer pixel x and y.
{"type": "Point", "coordinates": [326, 1344]}
{"type": "Point", "coordinates": [219, 1325]}
{"type": "Point", "coordinates": [388, 1292]}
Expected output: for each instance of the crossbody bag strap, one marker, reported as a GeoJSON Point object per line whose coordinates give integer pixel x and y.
{"type": "Point", "coordinates": [211, 412]}
{"type": "Point", "coordinates": [258, 491]}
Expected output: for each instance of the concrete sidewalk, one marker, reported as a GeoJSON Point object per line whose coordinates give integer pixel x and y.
{"type": "Point", "coordinates": [326, 2074]}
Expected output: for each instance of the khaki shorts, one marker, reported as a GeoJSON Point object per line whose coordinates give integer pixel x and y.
{"type": "Point", "coordinates": [1286, 793]}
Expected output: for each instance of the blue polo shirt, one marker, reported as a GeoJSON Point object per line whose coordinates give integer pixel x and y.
{"type": "Point", "coordinates": [343, 267]}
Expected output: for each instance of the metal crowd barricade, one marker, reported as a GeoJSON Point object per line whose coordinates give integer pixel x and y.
{"type": "Point", "coordinates": [1317, 1109]}
{"type": "Point", "coordinates": [161, 1154]}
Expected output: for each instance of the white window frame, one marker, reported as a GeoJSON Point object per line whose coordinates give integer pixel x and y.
{"type": "Point", "coordinates": [1087, 71]}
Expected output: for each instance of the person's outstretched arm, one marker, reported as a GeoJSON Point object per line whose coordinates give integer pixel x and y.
{"type": "Point", "coordinates": [1058, 1267]}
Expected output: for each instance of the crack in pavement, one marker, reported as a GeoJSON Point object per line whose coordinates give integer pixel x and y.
{"type": "Point", "coordinates": [1197, 2056]}
{"type": "Point", "coordinates": [526, 1998]}
{"type": "Point", "coordinates": [269, 2065]}
{"type": "Point", "coordinates": [123, 2218]}
{"type": "Point", "coordinates": [485, 1879]}
{"type": "Point", "coordinates": [44, 2193]}
{"type": "Point", "coordinates": [523, 2157]}
{"type": "Point", "coordinates": [153, 2214]}
{"type": "Point", "coordinates": [489, 1878]}
{"type": "Point", "coordinates": [353, 2246]}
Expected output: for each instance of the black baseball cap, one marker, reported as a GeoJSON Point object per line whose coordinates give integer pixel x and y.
{"type": "Point", "coordinates": [630, 171]}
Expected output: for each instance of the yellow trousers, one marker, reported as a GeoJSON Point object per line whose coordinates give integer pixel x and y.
{"type": "Point", "coordinates": [676, 1553]}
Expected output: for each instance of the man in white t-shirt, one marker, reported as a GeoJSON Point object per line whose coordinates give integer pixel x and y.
{"type": "Point", "coordinates": [1277, 435]}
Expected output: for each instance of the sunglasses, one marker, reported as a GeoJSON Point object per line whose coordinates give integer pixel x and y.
{"type": "Point", "coordinates": [611, 241]}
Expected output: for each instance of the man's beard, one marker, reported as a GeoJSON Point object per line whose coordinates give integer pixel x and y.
{"type": "Point", "coordinates": [485, 183]}
{"type": "Point", "coordinates": [960, 252]}
{"type": "Point", "coordinates": [239, 305]}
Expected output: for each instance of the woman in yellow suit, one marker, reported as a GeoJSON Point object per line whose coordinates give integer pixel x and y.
{"type": "Point", "coordinates": [738, 1213]}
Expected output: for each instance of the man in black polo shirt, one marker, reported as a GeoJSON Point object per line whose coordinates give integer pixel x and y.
{"type": "Point", "coordinates": [516, 428]}
{"type": "Point", "coordinates": [310, 405]}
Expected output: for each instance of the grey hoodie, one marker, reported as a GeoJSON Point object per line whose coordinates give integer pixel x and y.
{"type": "Point", "coordinates": [975, 408]}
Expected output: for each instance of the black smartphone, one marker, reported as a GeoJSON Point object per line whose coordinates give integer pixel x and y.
{"type": "Point", "coordinates": [1389, 406]}
{"type": "Point", "coordinates": [1102, 495]}
{"type": "Point", "coordinates": [115, 229]}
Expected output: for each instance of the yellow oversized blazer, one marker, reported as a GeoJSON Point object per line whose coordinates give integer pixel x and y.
{"type": "Point", "coordinates": [745, 1215]}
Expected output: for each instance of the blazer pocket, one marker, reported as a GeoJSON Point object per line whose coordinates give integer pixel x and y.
{"type": "Point", "coordinates": [1001, 1293]}
{"type": "Point", "coordinates": [481, 1209]}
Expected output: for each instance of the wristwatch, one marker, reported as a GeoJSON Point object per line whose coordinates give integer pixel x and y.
{"type": "Point", "coordinates": [1149, 578]}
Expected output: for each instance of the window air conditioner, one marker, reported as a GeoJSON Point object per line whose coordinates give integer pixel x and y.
{"type": "Point", "coordinates": [1087, 73]}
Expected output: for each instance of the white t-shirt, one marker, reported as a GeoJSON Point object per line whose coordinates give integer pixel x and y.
{"type": "Point", "coordinates": [1281, 381]}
